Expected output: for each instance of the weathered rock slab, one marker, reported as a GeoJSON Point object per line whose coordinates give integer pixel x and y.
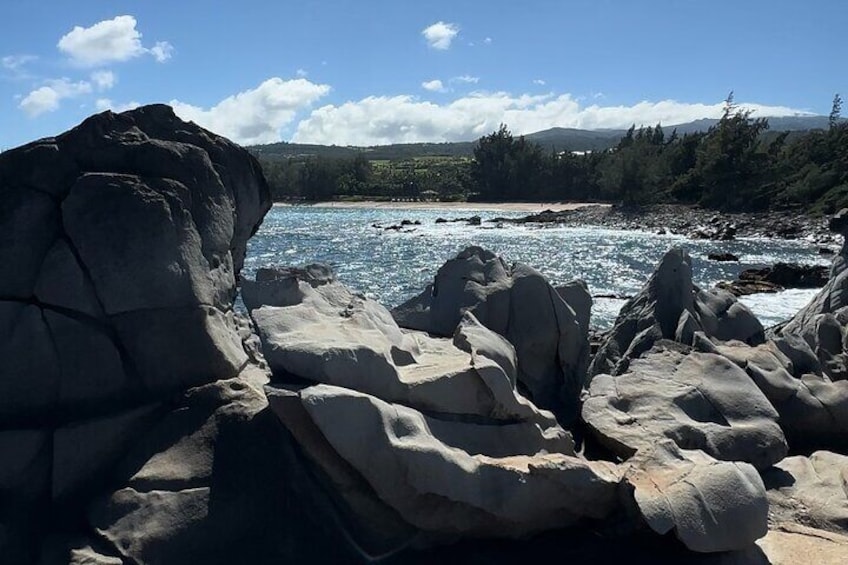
{"type": "Point", "coordinates": [712, 506]}
{"type": "Point", "coordinates": [698, 400]}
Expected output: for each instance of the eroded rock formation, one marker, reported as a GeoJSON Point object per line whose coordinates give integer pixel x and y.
{"type": "Point", "coordinates": [671, 307]}
{"type": "Point", "coordinates": [519, 304]}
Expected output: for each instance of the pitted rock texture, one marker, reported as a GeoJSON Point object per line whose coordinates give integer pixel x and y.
{"type": "Point", "coordinates": [698, 400]}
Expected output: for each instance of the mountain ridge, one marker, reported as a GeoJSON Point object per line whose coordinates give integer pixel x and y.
{"type": "Point", "coordinates": [555, 139]}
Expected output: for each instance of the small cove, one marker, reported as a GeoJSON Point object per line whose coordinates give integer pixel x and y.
{"type": "Point", "coordinates": [393, 265]}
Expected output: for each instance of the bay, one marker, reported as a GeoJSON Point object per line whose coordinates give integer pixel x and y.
{"type": "Point", "coordinates": [393, 265]}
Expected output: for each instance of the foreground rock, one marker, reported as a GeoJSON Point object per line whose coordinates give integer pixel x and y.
{"type": "Point", "coordinates": [690, 493]}
{"type": "Point", "coordinates": [519, 304]}
{"type": "Point", "coordinates": [813, 409]}
{"type": "Point", "coordinates": [425, 439]}
{"type": "Point", "coordinates": [671, 307]}
{"type": "Point", "coordinates": [810, 490]}
{"type": "Point", "coordinates": [447, 479]}
{"type": "Point", "coordinates": [126, 235]}
{"type": "Point", "coordinates": [316, 329]}
{"type": "Point", "coordinates": [698, 400]}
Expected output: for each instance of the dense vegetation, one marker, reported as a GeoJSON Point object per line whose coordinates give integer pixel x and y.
{"type": "Point", "coordinates": [736, 164]}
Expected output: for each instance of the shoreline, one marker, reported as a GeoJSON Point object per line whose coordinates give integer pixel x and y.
{"type": "Point", "coordinates": [530, 207]}
{"type": "Point", "coordinates": [678, 219]}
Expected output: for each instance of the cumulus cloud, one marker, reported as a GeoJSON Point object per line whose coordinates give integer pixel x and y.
{"type": "Point", "coordinates": [162, 51]}
{"type": "Point", "coordinates": [103, 80]}
{"type": "Point", "coordinates": [103, 104]}
{"type": "Point", "coordinates": [378, 120]}
{"type": "Point", "coordinates": [47, 98]}
{"type": "Point", "coordinates": [539, 82]}
{"type": "Point", "coordinates": [433, 85]}
{"type": "Point", "coordinates": [109, 41]}
{"type": "Point", "coordinates": [256, 116]}
{"type": "Point", "coordinates": [468, 79]}
{"type": "Point", "coordinates": [440, 35]}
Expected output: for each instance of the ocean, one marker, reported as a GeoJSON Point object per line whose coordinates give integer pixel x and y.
{"type": "Point", "coordinates": [393, 265]}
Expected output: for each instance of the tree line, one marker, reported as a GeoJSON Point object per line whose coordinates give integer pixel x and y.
{"type": "Point", "coordinates": [737, 164]}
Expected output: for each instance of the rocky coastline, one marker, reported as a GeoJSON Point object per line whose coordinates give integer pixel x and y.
{"type": "Point", "coordinates": [690, 221]}
{"type": "Point", "coordinates": [144, 421]}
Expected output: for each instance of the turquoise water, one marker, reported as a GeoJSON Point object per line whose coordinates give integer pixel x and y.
{"type": "Point", "coordinates": [391, 266]}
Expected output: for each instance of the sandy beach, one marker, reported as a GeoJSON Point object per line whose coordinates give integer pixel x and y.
{"type": "Point", "coordinates": [529, 207]}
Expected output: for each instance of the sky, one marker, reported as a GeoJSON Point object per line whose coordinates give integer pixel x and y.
{"type": "Point", "coordinates": [359, 72]}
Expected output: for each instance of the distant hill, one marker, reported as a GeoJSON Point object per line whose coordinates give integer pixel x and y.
{"type": "Point", "coordinates": [556, 139]}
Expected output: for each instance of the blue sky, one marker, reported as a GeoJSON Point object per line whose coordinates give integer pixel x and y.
{"type": "Point", "coordinates": [371, 72]}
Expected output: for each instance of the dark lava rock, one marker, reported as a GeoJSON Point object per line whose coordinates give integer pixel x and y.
{"type": "Point", "coordinates": [779, 277]}
{"type": "Point", "coordinates": [839, 222]}
{"type": "Point", "coordinates": [723, 257]}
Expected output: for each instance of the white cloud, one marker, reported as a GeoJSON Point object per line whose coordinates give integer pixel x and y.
{"type": "Point", "coordinates": [47, 98]}
{"type": "Point", "coordinates": [488, 41]}
{"type": "Point", "coordinates": [539, 82]}
{"type": "Point", "coordinates": [103, 80]}
{"type": "Point", "coordinates": [109, 41]}
{"type": "Point", "coordinates": [161, 51]}
{"type": "Point", "coordinates": [440, 34]}
{"type": "Point", "coordinates": [468, 79]}
{"type": "Point", "coordinates": [302, 73]}
{"type": "Point", "coordinates": [257, 115]}
{"type": "Point", "coordinates": [103, 104]}
{"type": "Point", "coordinates": [433, 85]}
{"type": "Point", "coordinates": [15, 62]}
{"type": "Point", "coordinates": [405, 119]}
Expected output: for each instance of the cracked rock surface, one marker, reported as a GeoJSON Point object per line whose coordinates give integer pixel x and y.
{"type": "Point", "coordinates": [124, 236]}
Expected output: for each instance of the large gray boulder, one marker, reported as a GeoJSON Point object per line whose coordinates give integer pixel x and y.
{"type": "Point", "coordinates": [822, 322]}
{"type": "Point", "coordinates": [813, 409]}
{"type": "Point", "coordinates": [711, 506]}
{"type": "Point", "coordinates": [810, 490]}
{"type": "Point", "coordinates": [671, 307]}
{"type": "Point", "coordinates": [411, 480]}
{"type": "Point", "coordinates": [124, 237]}
{"type": "Point", "coordinates": [127, 233]}
{"type": "Point", "coordinates": [519, 304]}
{"type": "Point", "coordinates": [318, 330]}
{"type": "Point", "coordinates": [697, 400]}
